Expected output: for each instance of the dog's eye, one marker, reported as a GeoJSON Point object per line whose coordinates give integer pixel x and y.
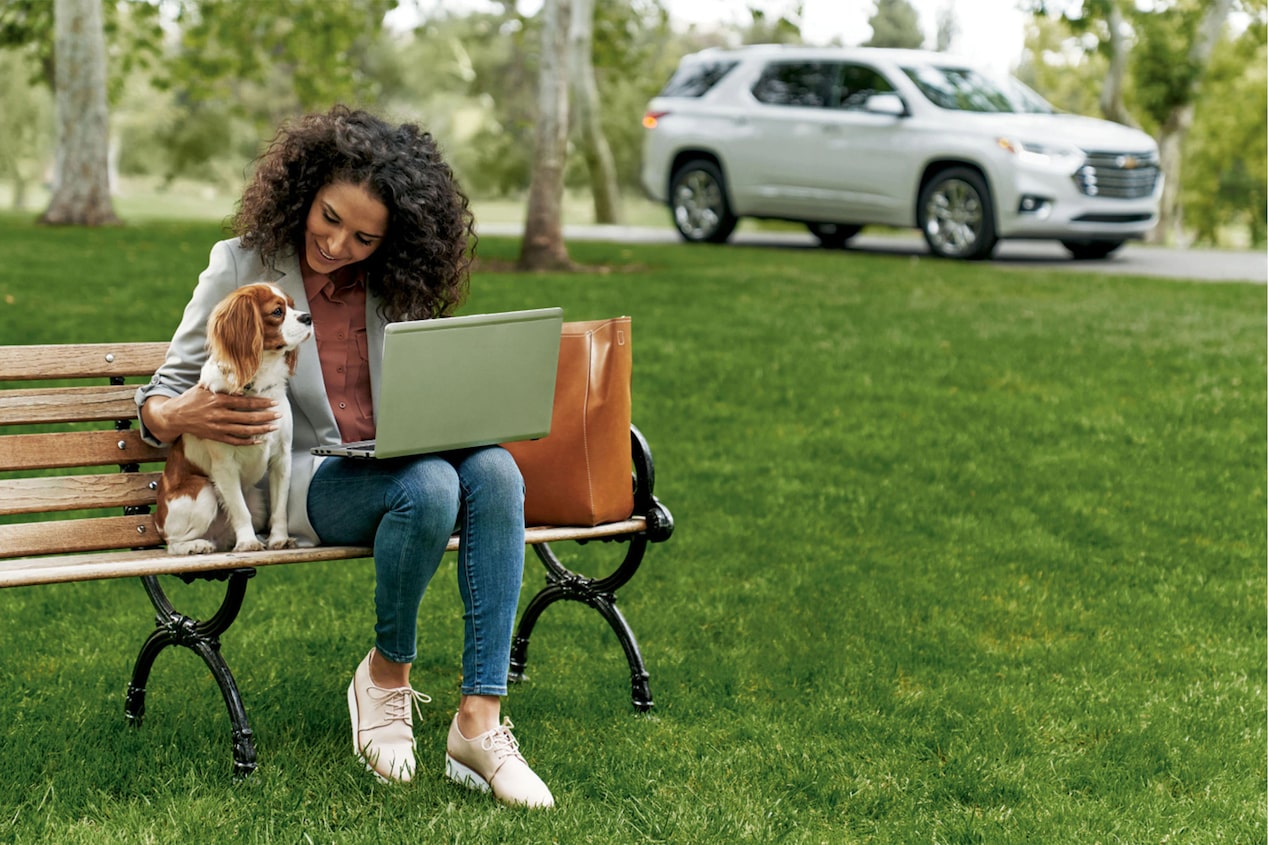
{"type": "Point", "coordinates": [278, 311]}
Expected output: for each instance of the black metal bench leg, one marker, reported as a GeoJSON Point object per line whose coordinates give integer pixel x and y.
{"type": "Point", "coordinates": [243, 746]}
{"type": "Point", "coordinates": [134, 706]}
{"type": "Point", "coordinates": [640, 690]}
{"type": "Point", "coordinates": [203, 638]}
{"type": "Point", "coordinates": [576, 590]}
{"type": "Point", "coordinates": [545, 597]}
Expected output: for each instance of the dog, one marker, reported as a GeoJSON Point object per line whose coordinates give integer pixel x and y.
{"type": "Point", "coordinates": [207, 496]}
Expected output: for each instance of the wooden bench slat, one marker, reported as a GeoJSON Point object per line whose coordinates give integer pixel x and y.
{"type": "Point", "coordinates": [124, 564]}
{"type": "Point", "coordinates": [51, 570]}
{"type": "Point", "coordinates": [77, 492]}
{"type": "Point", "coordinates": [82, 360]}
{"type": "Point", "coordinates": [77, 535]}
{"type": "Point", "coordinates": [76, 449]}
{"type": "Point", "coordinates": [67, 404]}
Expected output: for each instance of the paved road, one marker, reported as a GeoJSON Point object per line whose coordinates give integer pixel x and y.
{"type": "Point", "coordinates": [1133, 259]}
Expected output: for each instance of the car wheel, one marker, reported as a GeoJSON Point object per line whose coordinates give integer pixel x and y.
{"type": "Point", "coordinates": [833, 235]}
{"type": "Point", "coordinates": [956, 215]}
{"type": "Point", "coordinates": [697, 199]}
{"type": "Point", "coordinates": [1090, 250]}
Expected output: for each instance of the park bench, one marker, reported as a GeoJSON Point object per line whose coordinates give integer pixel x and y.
{"type": "Point", "coordinates": [61, 441]}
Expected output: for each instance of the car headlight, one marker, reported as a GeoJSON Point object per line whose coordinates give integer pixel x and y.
{"type": "Point", "coordinates": [1062, 156]}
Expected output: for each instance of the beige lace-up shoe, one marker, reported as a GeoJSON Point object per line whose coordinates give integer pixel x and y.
{"type": "Point", "coordinates": [492, 762]}
{"type": "Point", "coordinates": [383, 725]}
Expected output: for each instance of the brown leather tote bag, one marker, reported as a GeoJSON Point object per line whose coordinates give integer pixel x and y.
{"type": "Point", "coordinates": [580, 473]}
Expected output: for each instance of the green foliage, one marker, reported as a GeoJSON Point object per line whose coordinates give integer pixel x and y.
{"type": "Point", "coordinates": [1163, 70]}
{"type": "Point", "coordinates": [492, 58]}
{"type": "Point", "coordinates": [963, 554]}
{"type": "Point", "coordinates": [25, 124]}
{"type": "Point", "coordinates": [1226, 161]}
{"type": "Point", "coordinates": [1223, 173]}
{"type": "Point", "coordinates": [132, 30]}
{"type": "Point", "coordinates": [895, 24]}
{"type": "Point", "coordinates": [1055, 66]}
{"type": "Point", "coordinates": [224, 44]}
{"type": "Point", "coordinates": [782, 27]}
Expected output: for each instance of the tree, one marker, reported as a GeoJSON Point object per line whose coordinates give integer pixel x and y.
{"type": "Point", "coordinates": [1119, 45]}
{"type": "Point", "coordinates": [1055, 63]}
{"type": "Point", "coordinates": [585, 97]}
{"type": "Point", "coordinates": [1159, 71]}
{"type": "Point", "coordinates": [81, 182]}
{"type": "Point", "coordinates": [277, 58]}
{"type": "Point", "coordinates": [26, 130]}
{"type": "Point", "coordinates": [1226, 156]}
{"type": "Point", "coordinates": [895, 24]}
{"type": "Point", "coordinates": [948, 28]}
{"type": "Point", "coordinates": [543, 246]}
{"type": "Point", "coordinates": [782, 28]}
{"type": "Point", "coordinates": [1174, 52]}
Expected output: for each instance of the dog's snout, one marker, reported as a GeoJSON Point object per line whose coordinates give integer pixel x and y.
{"type": "Point", "coordinates": [305, 318]}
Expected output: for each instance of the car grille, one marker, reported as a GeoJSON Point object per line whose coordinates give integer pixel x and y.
{"type": "Point", "coordinates": [1126, 176]}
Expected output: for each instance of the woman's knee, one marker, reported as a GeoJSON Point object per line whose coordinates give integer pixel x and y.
{"type": "Point", "coordinates": [427, 490]}
{"type": "Point", "coordinates": [491, 468]}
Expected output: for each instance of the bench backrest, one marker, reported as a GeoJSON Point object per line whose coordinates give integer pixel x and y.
{"type": "Point", "coordinates": [67, 428]}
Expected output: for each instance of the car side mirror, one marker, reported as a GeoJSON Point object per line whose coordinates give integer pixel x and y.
{"type": "Point", "coordinates": [890, 104]}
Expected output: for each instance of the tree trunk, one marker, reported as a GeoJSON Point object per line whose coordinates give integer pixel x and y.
{"type": "Point", "coordinates": [81, 183]}
{"type": "Point", "coordinates": [1112, 105]}
{"type": "Point", "coordinates": [543, 246]}
{"type": "Point", "coordinates": [1171, 135]}
{"type": "Point", "coordinates": [585, 101]}
{"type": "Point", "coordinates": [19, 191]}
{"type": "Point", "coordinates": [1175, 129]}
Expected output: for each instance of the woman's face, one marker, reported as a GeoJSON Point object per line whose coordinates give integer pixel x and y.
{"type": "Point", "coordinates": [346, 224]}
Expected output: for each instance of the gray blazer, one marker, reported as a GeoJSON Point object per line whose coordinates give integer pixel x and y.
{"type": "Point", "coordinates": [231, 266]}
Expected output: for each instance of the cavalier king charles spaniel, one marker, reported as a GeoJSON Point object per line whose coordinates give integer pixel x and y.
{"type": "Point", "coordinates": [207, 497]}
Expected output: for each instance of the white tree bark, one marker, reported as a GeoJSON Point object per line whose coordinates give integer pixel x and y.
{"type": "Point", "coordinates": [585, 102]}
{"type": "Point", "coordinates": [1112, 105]}
{"type": "Point", "coordinates": [543, 246]}
{"type": "Point", "coordinates": [81, 183]}
{"type": "Point", "coordinates": [1175, 129]}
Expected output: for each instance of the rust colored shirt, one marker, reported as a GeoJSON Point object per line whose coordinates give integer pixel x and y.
{"type": "Point", "coordinates": [337, 305]}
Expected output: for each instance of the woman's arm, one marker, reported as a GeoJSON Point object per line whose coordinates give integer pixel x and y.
{"type": "Point", "coordinates": [237, 420]}
{"type": "Point", "coordinates": [171, 404]}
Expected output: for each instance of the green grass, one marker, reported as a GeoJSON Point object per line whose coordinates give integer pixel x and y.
{"type": "Point", "coordinates": [963, 554]}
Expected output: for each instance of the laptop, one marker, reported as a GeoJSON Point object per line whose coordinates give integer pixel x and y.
{"type": "Point", "coordinates": [457, 382]}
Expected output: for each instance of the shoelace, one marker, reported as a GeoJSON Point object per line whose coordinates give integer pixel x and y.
{"type": "Point", "coordinates": [397, 703]}
{"type": "Point", "coordinates": [502, 742]}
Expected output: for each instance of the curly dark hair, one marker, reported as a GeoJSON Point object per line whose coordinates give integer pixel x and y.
{"type": "Point", "coordinates": [422, 267]}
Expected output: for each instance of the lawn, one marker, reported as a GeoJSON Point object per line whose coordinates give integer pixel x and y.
{"type": "Point", "coordinates": [964, 554]}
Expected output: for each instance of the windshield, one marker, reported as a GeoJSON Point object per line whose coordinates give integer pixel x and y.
{"type": "Point", "coordinates": [964, 89]}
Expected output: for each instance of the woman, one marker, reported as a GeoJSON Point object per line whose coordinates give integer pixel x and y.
{"type": "Point", "coordinates": [364, 221]}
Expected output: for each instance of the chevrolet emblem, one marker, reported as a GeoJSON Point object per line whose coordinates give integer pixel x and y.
{"type": "Point", "coordinates": [1128, 162]}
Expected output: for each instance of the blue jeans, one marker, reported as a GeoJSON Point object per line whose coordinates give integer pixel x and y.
{"type": "Point", "coordinates": [406, 508]}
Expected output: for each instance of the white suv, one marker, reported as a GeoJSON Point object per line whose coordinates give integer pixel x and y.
{"type": "Point", "coordinates": [838, 138]}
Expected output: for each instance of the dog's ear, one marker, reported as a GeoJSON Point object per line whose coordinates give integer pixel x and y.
{"type": "Point", "coordinates": [235, 334]}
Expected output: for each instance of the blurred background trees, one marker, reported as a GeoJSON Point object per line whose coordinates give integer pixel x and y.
{"type": "Point", "coordinates": [195, 86]}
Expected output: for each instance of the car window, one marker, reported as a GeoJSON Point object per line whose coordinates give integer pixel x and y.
{"type": "Point", "coordinates": [1025, 99]}
{"type": "Point", "coordinates": [855, 83]}
{"type": "Point", "coordinates": [961, 89]}
{"type": "Point", "coordinates": [795, 84]}
{"type": "Point", "coordinates": [694, 79]}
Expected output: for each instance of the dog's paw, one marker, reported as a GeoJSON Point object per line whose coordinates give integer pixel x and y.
{"type": "Point", "coordinates": [191, 547]}
{"type": "Point", "coordinates": [252, 545]}
{"type": "Point", "coordinates": [281, 542]}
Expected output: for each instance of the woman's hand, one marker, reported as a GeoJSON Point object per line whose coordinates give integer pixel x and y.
{"type": "Point", "coordinates": [236, 420]}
